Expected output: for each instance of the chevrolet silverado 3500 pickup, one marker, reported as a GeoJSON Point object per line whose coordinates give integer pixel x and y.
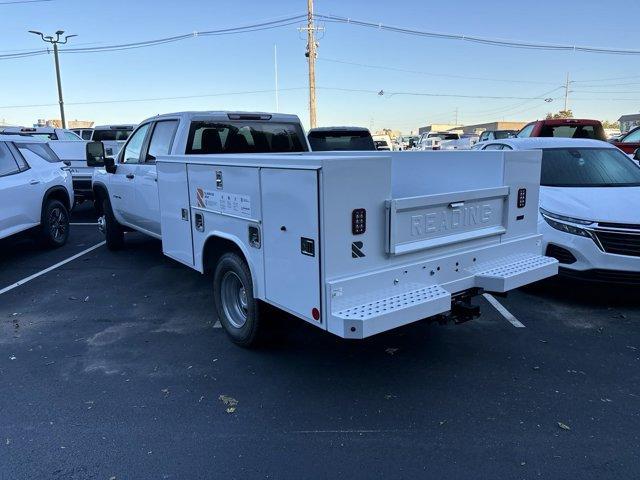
{"type": "Point", "coordinates": [355, 243]}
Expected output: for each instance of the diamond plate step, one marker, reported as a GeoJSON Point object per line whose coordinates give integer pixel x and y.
{"type": "Point", "coordinates": [513, 272]}
{"type": "Point", "coordinates": [386, 312]}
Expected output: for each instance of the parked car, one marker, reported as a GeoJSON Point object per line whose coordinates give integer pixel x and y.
{"type": "Point", "coordinates": [84, 133]}
{"type": "Point", "coordinates": [564, 128]}
{"type": "Point", "coordinates": [383, 142]}
{"type": "Point", "coordinates": [408, 142]}
{"type": "Point", "coordinates": [629, 142]}
{"type": "Point", "coordinates": [68, 147]}
{"type": "Point", "coordinates": [43, 133]}
{"type": "Point", "coordinates": [589, 204]}
{"type": "Point", "coordinates": [36, 190]}
{"type": "Point", "coordinates": [496, 135]}
{"type": "Point", "coordinates": [340, 138]}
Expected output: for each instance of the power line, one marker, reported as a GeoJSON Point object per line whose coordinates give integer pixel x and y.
{"type": "Point", "coordinates": [16, 2]}
{"type": "Point", "coordinates": [155, 99]}
{"type": "Point", "coordinates": [264, 25]}
{"type": "Point", "coordinates": [480, 40]}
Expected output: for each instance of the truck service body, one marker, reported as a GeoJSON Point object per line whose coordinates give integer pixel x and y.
{"type": "Point", "coordinates": [355, 243]}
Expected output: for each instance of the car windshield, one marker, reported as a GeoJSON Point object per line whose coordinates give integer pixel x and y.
{"type": "Point", "coordinates": [502, 134]}
{"type": "Point", "coordinates": [332, 140]}
{"type": "Point", "coordinates": [594, 132]}
{"type": "Point", "coordinates": [111, 135]}
{"type": "Point", "coordinates": [588, 167]}
{"type": "Point", "coordinates": [244, 137]}
{"type": "Point", "coordinates": [41, 149]}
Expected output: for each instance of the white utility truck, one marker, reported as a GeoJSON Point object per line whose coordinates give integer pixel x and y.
{"type": "Point", "coordinates": [355, 243]}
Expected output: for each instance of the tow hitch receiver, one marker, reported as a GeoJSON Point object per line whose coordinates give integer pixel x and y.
{"type": "Point", "coordinates": [462, 310]}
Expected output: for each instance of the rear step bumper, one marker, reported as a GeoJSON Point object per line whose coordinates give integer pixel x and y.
{"type": "Point", "coordinates": [364, 315]}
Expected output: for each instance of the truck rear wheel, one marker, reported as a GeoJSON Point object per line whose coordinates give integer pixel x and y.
{"type": "Point", "coordinates": [237, 308]}
{"type": "Point", "coordinates": [113, 231]}
{"type": "Point", "coordinates": [54, 224]}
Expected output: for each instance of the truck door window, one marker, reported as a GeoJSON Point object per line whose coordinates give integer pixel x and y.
{"type": "Point", "coordinates": [134, 146]}
{"type": "Point", "coordinates": [161, 139]}
{"type": "Point", "coordinates": [8, 165]}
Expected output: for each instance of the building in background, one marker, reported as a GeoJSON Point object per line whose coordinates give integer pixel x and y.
{"type": "Point", "coordinates": [438, 127]}
{"type": "Point", "coordinates": [55, 123]}
{"type": "Point", "coordinates": [481, 127]}
{"type": "Point", "coordinates": [627, 122]}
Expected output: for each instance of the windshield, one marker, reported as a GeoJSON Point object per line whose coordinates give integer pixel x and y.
{"type": "Point", "coordinates": [41, 149]}
{"type": "Point", "coordinates": [588, 167]}
{"type": "Point", "coordinates": [111, 135]}
{"type": "Point", "coordinates": [595, 132]}
{"type": "Point", "coordinates": [323, 141]}
{"type": "Point", "coordinates": [502, 134]}
{"type": "Point", "coordinates": [244, 137]}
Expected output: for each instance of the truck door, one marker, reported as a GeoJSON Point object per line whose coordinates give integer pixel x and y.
{"type": "Point", "coordinates": [291, 240]}
{"type": "Point", "coordinates": [146, 181]}
{"type": "Point", "coordinates": [122, 183]}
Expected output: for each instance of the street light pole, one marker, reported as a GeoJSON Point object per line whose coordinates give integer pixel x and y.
{"type": "Point", "coordinates": [55, 41]}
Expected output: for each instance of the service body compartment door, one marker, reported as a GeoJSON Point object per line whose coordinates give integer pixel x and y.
{"type": "Point", "coordinates": [291, 239]}
{"type": "Point", "coordinates": [175, 221]}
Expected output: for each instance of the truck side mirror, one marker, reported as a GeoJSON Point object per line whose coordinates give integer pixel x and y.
{"type": "Point", "coordinates": [636, 154]}
{"type": "Point", "coordinates": [95, 154]}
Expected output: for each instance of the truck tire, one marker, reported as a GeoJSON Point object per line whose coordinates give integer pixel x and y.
{"type": "Point", "coordinates": [237, 308]}
{"type": "Point", "coordinates": [113, 231]}
{"type": "Point", "coordinates": [54, 224]}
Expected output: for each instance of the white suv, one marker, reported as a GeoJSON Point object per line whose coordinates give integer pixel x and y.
{"type": "Point", "coordinates": [36, 190]}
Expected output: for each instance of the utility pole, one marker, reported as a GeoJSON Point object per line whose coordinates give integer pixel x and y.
{"type": "Point", "coordinates": [566, 93]}
{"type": "Point", "coordinates": [311, 56]}
{"type": "Point", "coordinates": [275, 66]}
{"type": "Point", "coordinates": [55, 41]}
{"type": "Point", "coordinates": [456, 121]}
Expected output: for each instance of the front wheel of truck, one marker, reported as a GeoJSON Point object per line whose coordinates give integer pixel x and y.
{"type": "Point", "coordinates": [237, 308]}
{"type": "Point", "coordinates": [113, 231]}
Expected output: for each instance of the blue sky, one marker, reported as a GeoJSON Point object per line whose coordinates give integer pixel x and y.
{"type": "Point", "coordinates": [236, 63]}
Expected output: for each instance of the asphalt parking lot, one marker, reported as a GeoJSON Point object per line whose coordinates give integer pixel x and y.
{"type": "Point", "coordinates": [112, 368]}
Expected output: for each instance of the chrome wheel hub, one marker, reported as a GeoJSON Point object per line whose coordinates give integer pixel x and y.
{"type": "Point", "coordinates": [234, 299]}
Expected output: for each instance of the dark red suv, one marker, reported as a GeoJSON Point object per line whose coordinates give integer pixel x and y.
{"type": "Point", "coordinates": [565, 128]}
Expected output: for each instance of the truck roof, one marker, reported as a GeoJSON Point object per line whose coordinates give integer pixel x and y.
{"type": "Point", "coordinates": [20, 139]}
{"type": "Point", "coordinates": [224, 115]}
{"type": "Point", "coordinates": [28, 130]}
{"type": "Point", "coordinates": [123, 126]}
{"type": "Point", "coordinates": [340, 129]}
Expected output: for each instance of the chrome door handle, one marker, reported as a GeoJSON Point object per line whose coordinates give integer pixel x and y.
{"type": "Point", "coordinates": [34, 182]}
{"type": "Point", "coordinates": [456, 205]}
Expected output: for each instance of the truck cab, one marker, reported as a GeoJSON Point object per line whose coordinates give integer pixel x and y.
{"type": "Point", "coordinates": [126, 190]}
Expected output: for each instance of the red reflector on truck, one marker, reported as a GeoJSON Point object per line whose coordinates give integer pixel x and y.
{"type": "Point", "coordinates": [315, 313]}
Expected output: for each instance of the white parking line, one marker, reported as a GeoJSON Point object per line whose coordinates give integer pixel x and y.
{"type": "Point", "coordinates": [503, 311]}
{"type": "Point", "coordinates": [53, 267]}
{"type": "Point", "coordinates": [83, 223]}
